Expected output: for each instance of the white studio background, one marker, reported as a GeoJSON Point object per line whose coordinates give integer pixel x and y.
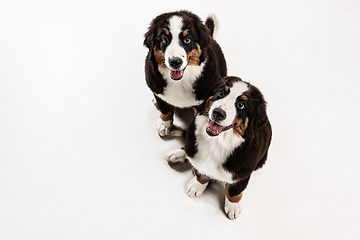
{"type": "Point", "coordinates": [79, 153]}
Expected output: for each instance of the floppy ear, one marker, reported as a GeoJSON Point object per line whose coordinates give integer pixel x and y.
{"type": "Point", "coordinates": [257, 114]}
{"type": "Point", "coordinates": [149, 38]}
{"type": "Point", "coordinates": [203, 34]}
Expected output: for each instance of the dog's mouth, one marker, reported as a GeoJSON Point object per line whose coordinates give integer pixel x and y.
{"type": "Point", "coordinates": [176, 74]}
{"type": "Point", "coordinates": [213, 129]}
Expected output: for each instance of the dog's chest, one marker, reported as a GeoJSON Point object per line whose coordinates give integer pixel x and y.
{"type": "Point", "coordinates": [213, 151]}
{"type": "Point", "coordinates": [181, 93]}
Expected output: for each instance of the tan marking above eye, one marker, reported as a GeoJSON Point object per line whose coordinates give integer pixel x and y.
{"type": "Point", "coordinates": [166, 31]}
{"type": "Point", "coordinates": [243, 97]}
{"type": "Point", "coordinates": [185, 32]}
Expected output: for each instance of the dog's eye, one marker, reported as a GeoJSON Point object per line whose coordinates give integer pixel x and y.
{"type": "Point", "coordinates": [221, 93]}
{"type": "Point", "coordinates": [187, 40]}
{"type": "Point", "coordinates": [241, 105]}
{"type": "Point", "coordinates": [164, 40]}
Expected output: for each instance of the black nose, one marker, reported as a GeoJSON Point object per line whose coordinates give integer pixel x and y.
{"type": "Point", "coordinates": [175, 62]}
{"type": "Point", "coordinates": [218, 115]}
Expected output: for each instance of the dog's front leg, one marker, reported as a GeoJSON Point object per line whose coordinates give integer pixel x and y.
{"type": "Point", "coordinates": [197, 185]}
{"type": "Point", "coordinates": [176, 155]}
{"type": "Point", "coordinates": [233, 195]}
{"type": "Point", "coordinates": [165, 122]}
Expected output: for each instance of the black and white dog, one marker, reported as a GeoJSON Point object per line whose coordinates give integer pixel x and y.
{"type": "Point", "coordinates": [183, 63]}
{"type": "Point", "coordinates": [228, 140]}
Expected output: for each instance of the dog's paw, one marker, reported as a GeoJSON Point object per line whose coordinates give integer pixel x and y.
{"type": "Point", "coordinates": [233, 210]}
{"type": "Point", "coordinates": [175, 156]}
{"type": "Point", "coordinates": [163, 127]}
{"type": "Point", "coordinates": [195, 189]}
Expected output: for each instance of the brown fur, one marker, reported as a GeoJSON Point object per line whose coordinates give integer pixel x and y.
{"type": "Point", "coordinates": [194, 56]}
{"type": "Point", "coordinates": [208, 104]}
{"type": "Point", "coordinates": [202, 180]}
{"type": "Point", "coordinates": [240, 126]}
{"type": "Point", "coordinates": [243, 97]}
{"type": "Point", "coordinates": [233, 199]}
{"type": "Point", "coordinates": [169, 116]}
{"type": "Point", "coordinates": [195, 111]}
{"type": "Point", "coordinates": [159, 56]}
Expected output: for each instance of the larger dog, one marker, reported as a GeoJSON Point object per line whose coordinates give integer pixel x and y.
{"type": "Point", "coordinates": [228, 140]}
{"type": "Point", "coordinates": [183, 63]}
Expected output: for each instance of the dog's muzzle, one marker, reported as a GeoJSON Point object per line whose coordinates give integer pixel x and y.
{"type": "Point", "coordinates": [175, 63]}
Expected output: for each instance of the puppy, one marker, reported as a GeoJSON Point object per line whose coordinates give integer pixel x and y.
{"type": "Point", "coordinates": [183, 63]}
{"type": "Point", "coordinates": [228, 140]}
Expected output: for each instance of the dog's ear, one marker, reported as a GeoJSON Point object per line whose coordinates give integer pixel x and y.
{"type": "Point", "coordinates": [257, 114]}
{"type": "Point", "coordinates": [149, 38]}
{"type": "Point", "coordinates": [203, 35]}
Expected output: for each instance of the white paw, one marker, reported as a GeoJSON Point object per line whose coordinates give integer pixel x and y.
{"type": "Point", "coordinates": [195, 189]}
{"type": "Point", "coordinates": [176, 155]}
{"type": "Point", "coordinates": [233, 210]}
{"type": "Point", "coordinates": [163, 127]}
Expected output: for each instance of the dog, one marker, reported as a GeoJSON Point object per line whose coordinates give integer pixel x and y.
{"type": "Point", "coordinates": [228, 140]}
{"type": "Point", "coordinates": [183, 63]}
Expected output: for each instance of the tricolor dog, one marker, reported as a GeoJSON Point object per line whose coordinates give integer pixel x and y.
{"type": "Point", "coordinates": [183, 63]}
{"type": "Point", "coordinates": [228, 140]}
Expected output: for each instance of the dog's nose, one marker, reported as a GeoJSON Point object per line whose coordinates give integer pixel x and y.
{"type": "Point", "coordinates": [175, 62]}
{"type": "Point", "coordinates": [218, 114]}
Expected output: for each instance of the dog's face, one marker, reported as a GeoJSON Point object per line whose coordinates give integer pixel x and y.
{"type": "Point", "coordinates": [235, 105]}
{"type": "Point", "coordinates": [176, 40]}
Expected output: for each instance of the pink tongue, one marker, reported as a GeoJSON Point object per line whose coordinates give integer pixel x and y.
{"type": "Point", "coordinates": [176, 74]}
{"type": "Point", "coordinates": [214, 128]}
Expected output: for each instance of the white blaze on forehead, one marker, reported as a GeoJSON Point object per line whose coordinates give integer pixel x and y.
{"type": "Point", "coordinates": [175, 25]}
{"type": "Point", "coordinates": [228, 103]}
{"type": "Point", "coordinates": [174, 49]}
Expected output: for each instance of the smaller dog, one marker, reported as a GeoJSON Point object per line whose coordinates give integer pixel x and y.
{"type": "Point", "coordinates": [228, 140]}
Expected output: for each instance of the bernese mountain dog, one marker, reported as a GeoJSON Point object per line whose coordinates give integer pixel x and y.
{"type": "Point", "coordinates": [228, 140]}
{"type": "Point", "coordinates": [183, 63]}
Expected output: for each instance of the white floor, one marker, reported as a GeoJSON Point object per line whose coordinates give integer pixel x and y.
{"type": "Point", "coordinates": [79, 154]}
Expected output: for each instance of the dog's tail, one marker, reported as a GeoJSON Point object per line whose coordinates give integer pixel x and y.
{"type": "Point", "coordinates": [177, 132]}
{"type": "Point", "coordinates": [211, 23]}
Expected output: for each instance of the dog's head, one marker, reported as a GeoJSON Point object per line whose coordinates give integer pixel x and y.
{"type": "Point", "coordinates": [177, 40]}
{"type": "Point", "coordinates": [235, 105]}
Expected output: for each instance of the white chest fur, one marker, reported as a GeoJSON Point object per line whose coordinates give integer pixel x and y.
{"type": "Point", "coordinates": [181, 93]}
{"type": "Point", "coordinates": [213, 151]}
